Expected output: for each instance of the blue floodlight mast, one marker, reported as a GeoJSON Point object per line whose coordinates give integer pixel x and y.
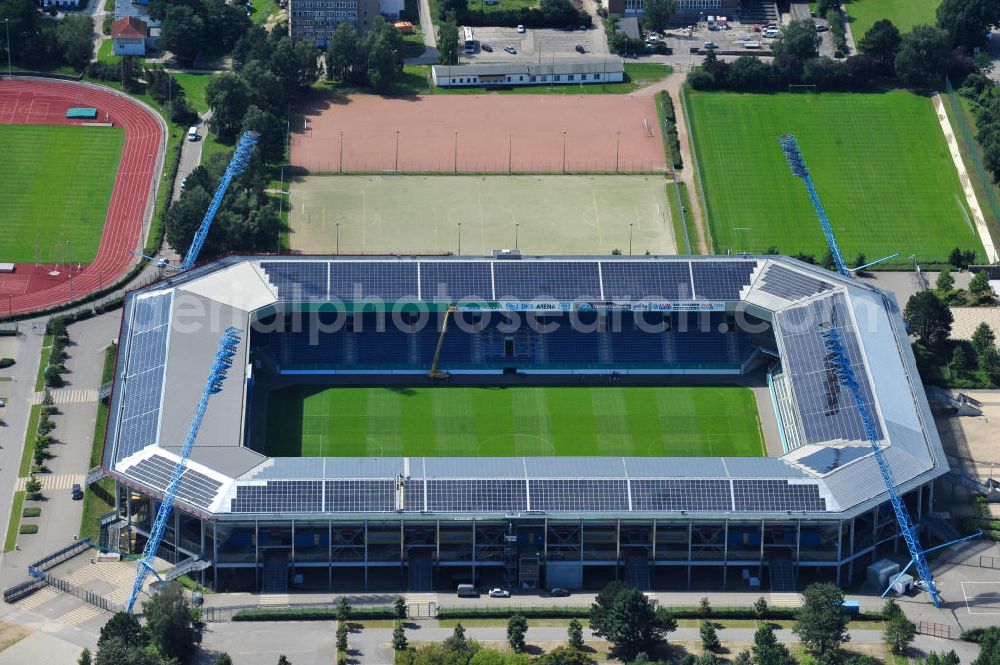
{"type": "Point", "coordinates": [845, 376]}
{"type": "Point", "coordinates": [223, 361]}
{"type": "Point", "coordinates": [236, 166]}
{"type": "Point", "coordinates": [791, 149]}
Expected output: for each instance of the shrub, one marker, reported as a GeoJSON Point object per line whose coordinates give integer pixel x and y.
{"type": "Point", "coordinates": [28, 528]}
{"type": "Point", "coordinates": [31, 511]}
{"type": "Point", "coordinates": [312, 614]}
{"type": "Point", "coordinates": [6, 362]}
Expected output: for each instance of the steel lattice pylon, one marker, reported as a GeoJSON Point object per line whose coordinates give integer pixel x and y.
{"type": "Point", "coordinates": [236, 166]}
{"type": "Point", "coordinates": [217, 373]}
{"type": "Point", "coordinates": [841, 367]}
{"type": "Point", "coordinates": [791, 149]}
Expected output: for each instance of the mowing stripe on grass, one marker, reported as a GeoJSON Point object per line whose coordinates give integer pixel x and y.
{"type": "Point", "coordinates": [880, 162]}
{"type": "Point", "coordinates": [311, 421]}
{"type": "Point", "coordinates": [14, 523]}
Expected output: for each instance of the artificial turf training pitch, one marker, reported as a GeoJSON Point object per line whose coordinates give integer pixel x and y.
{"type": "Point", "coordinates": [310, 421]}
{"type": "Point", "coordinates": [879, 161]}
{"type": "Point", "coordinates": [55, 188]}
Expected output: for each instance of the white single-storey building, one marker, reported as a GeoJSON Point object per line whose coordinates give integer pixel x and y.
{"type": "Point", "coordinates": [128, 36]}
{"type": "Point", "coordinates": [572, 71]}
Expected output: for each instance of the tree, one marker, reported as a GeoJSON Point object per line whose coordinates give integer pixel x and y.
{"type": "Point", "coordinates": [457, 641]}
{"type": "Point", "coordinates": [658, 13]}
{"type": "Point", "coordinates": [959, 359]}
{"type": "Point", "coordinates": [989, 647]}
{"type": "Point", "coordinates": [798, 39]}
{"type": "Point", "coordinates": [122, 626]}
{"type": "Point", "coordinates": [228, 97]}
{"type": "Point", "coordinates": [624, 616]}
{"type": "Point", "coordinates": [709, 636]}
{"type": "Point", "coordinates": [382, 59]}
{"type": "Point", "coordinates": [983, 338]}
{"type": "Point", "coordinates": [989, 363]}
{"type": "Point", "coordinates": [709, 658]}
{"type": "Point", "coordinates": [168, 620]}
{"type": "Point", "coordinates": [934, 658]}
{"type": "Point", "coordinates": [743, 658]}
{"type": "Point", "coordinates": [881, 42]}
{"type": "Point", "coordinates": [862, 660]}
{"type": "Point", "coordinates": [704, 607]}
{"type": "Point", "coordinates": [767, 650]}
{"type": "Point", "coordinates": [517, 628]}
{"type": "Point", "coordinates": [899, 631]}
{"type": "Point", "coordinates": [979, 285]}
{"type": "Point", "coordinates": [967, 22]}
{"type": "Point", "coordinates": [760, 608]}
{"type": "Point", "coordinates": [185, 215]}
{"type": "Point", "coordinates": [447, 42]}
{"type": "Point", "coordinates": [283, 660]}
{"type": "Point", "coordinates": [75, 35]}
{"type": "Point", "coordinates": [564, 656]}
{"type": "Point", "coordinates": [265, 90]}
{"type": "Point", "coordinates": [272, 132]}
{"type": "Point", "coordinates": [928, 318]}
{"type": "Point", "coordinates": [33, 488]}
{"type": "Point", "coordinates": [182, 33]}
{"type": "Point", "coordinates": [342, 631]}
{"type": "Point", "coordinates": [84, 658]}
{"type": "Point", "coordinates": [821, 623]}
{"type": "Point", "coordinates": [399, 636]}
{"type": "Point", "coordinates": [399, 607]}
{"type": "Point", "coordinates": [223, 659]}
{"type": "Point", "coordinates": [923, 56]}
{"type": "Point", "coordinates": [574, 634]}
{"type": "Point", "coordinates": [344, 58]}
{"type": "Point", "coordinates": [343, 609]}
{"type": "Point", "coordinates": [944, 282]}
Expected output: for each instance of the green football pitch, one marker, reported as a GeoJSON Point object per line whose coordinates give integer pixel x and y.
{"type": "Point", "coordinates": [310, 421]}
{"type": "Point", "coordinates": [55, 187]}
{"type": "Point", "coordinates": [879, 161]}
{"type": "Point", "coordinates": [903, 13]}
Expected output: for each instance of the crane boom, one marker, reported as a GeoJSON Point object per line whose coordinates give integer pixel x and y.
{"type": "Point", "coordinates": [798, 165]}
{"type": "Point", "coordinates": [241, 157]}
{"type": "Point", "coordinates": [217, 373]}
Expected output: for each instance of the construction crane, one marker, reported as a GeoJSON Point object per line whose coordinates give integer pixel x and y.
{"type": "Point", "coordinates": [798, 165]}
{"type": "Point", "coordinates": [238, 164]}
{"type": "Point", "coordinates": [844, 373]}
{"type": "Point", "coordinates": [435, 373]}
{"type": "Point", "coordinates": [217, 374]}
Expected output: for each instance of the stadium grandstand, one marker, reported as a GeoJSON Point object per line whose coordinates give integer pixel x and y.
{"type": "Point", "coordinates": [296, 507]}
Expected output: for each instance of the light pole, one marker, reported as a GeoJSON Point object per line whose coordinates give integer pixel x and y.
{"type": "Point", "coordinates": [630, 225]}
{"type": "Point", "coordinates": [396, 169]}
{"type": "Point", "coordinates": [338, 237]}
{"type": "Point", "coordinates": [460, 238]}
{"type": "Point", "coordinates": [618, 144]}
{"type": "Point", "coordinates": [342, 152]}
{"type": "Point", "coordinates": [7, 25]}
{"type": "Point", "coordinates": [510, 151]}
{"type": "Point", "coordinates": [516, 227]}
{"type": "Point", "coordinates": [10, 306]}
{"type": "Point", "coordinates": [456, 151]}
{"type": "Point", "coordinates": [564, 151]}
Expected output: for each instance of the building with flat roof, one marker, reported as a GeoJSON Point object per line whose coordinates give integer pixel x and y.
{"type": "Point", "coordinates": [814, 508]}
{"type": "Point", "coordinates": [571, 71]}
{"type": "Point", "coordinates": [315, 20]}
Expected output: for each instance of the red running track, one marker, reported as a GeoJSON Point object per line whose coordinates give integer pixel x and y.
{"type": "Point", "coordinates": [44, 102]}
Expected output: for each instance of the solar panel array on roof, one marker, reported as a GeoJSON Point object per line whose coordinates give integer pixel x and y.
{"type": "Point", "coordinates": [528, 280]}
{"type": "Point", "coordinates": [451, 281]}
{"type": "Point", "coordinates": [826, 411]}
{"type": "Point", "coordinates": [776, 495]}
{"type": "Point", "coordinates": [681, 494]}
{"type": "Point", "coordinates": [631, 280]}
{"type": "Point", "coordinates": [790, 284]}
{"type": "Point", "coordinates": [195, 488]}
{"type": "Point", "coordinates": [279, 496]}
{"type": "Point", "coordinates": [589, 495]}
{"type": "Point", "coordinates": [143, 377]}
{"type": "Point", "coordinates": [827, 459]}
{"type": "Point", "coordinates": [475, 495]}
{"type": "Point", "coordinates": [362, 496]}
{"type": "Point", "coordinates": [384, 280]}
{"type": "Point", "coordinates": [298, 280]}
{"type": "Point", "coordinates": [721, 280]}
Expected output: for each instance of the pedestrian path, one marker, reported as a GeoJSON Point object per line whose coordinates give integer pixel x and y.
{"type": "Point", "coordinates": [53, 481]}
{"type": "Point", "coordinates": [68, 396]}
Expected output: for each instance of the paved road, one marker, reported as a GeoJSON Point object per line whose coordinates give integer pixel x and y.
{"type": "Point", "coordinates": [190, 156]}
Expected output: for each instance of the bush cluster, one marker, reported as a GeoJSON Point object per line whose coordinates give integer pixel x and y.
{"type": "Point", "coordinates": [666, 104]}
{"type": "Point", "coordinates": [6, 362]}
{"type": "Point", "coordinates": [548, 14]}
{"type": "Point", "coordinates": [836, 20]}
{"type": "Point", "coordinates": [57, 357]}
{"type": "Point", "coordinates": [312, 614]}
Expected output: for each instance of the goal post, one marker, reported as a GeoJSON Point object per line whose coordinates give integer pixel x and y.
{"type": "Point", "coordinates": [802, 87]}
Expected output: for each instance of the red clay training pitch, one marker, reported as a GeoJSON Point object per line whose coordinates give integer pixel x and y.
{"type": "Point", "coordinates": [478, 134]}
{"type": "Point", "coordinates": [39, 102]}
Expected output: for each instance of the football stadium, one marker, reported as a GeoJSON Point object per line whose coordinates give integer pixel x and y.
{"type": "Point", "coordinates": [416, 422]}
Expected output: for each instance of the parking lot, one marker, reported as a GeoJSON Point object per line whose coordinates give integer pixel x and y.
{"type": "Point", "coordinates": [534, 45]}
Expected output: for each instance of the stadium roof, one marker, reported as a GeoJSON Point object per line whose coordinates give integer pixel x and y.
{"type": "Point", "coordinates": [170, 332]}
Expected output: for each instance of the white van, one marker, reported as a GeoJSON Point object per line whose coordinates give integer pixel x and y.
{"type": "Point", "coordinates": [192, 134]}
{"type": "Point", "coordinates": [711, 23]}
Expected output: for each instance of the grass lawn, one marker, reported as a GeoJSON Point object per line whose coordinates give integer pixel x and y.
{"type": "Point", "coordinates": [502, 5]}
{"type": "Point", "coordinates": [55, 184]}
{"type": "Point", "coordinates": [310, 421]}
{"type": "Point", "coordinates": [43, 362]}
{"type": "Point", "coordinates": [903, 13]}
{"type": "Point", "coordinates": [262, 10]}
{"type": "Point", "coordinates": [15, 522]}
{"type": "Point", "coordinates": [686, 242]}
{"type": "Point", "coordinates": [29, 441]}
{"type": "Point", "coordinates": [879, 161]}
{"type": "Point", "coordinates": [94, 503]}
{"type": "Point", "coordinates": [194, 88]}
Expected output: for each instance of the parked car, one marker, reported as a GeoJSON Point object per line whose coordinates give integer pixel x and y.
{"type": "Point", "coordinates": [708, 46]}
{"type": "Point", "coordinates": [822, 27]}
{"type": "Point", "coordinates": [76, 492]}
{"type": "Point", "coordinates": [499, 593]}
{"type": "Point", "coordinates": [770, 33]}
{"type": "Point", "coordinates": [467, 591]}
{"type": "Point", "coordinates": [521, 29]}
{"type": "Point", "coordinates": [579, 48]}
{"type": "Point", "coordinates": [510, 49]}
{"type": "Point", "coordinates": [486, 47]}
{"type": "Point", "coordinates": [556, 592]}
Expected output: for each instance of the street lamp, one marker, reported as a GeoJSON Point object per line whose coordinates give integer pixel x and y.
{"type": "Point", "coordinates": [460, 238]}
{"type": "Point", "coordinates": [516, 227]}
{"type": "Point", "coordinates": [630, 225]}
{"type": "Point", "coordinates": [7, 25]}
{"type": "Point", "coordinates": [338, 237]}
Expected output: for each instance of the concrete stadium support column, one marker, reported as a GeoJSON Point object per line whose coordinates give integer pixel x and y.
{"type": "Point", "coordinates": [840, 549]}
{"type": "Point", "coordinates": [690, 551]}
{"type": "Point", "coordinates": [725, 556]}
{"type": "Point", "coordinates": [366, 556]}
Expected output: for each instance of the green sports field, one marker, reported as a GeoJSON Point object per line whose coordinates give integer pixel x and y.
{"type": "Point", "coordinates": [879, 161]}
{"type": "Point", "coordinates": [903, 13]}
{"type": "Point", "coordinates": [55, 187]}
{"type": "Point", "coordinates": [310, 421]}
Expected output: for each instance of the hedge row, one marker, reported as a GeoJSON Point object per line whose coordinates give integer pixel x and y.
{"type": "Point", "coordinates": [720, 613]}
{"type": "Point", "coordinates": [666, 107]}
{"type": "Point", "coordinates": [312, 614]}
{"type": "Point", "coordinates": [836, 20]}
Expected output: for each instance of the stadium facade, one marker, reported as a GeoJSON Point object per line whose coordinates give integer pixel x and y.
{"type": "Point", "coordinates": [816, 509]}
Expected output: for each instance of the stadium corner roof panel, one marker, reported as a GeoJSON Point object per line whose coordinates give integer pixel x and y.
{"type": "Point", "coordinates": [170, 332]}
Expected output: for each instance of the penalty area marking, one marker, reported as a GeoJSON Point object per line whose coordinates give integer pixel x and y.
{"type": "Point", "coordinates": [989, 600]}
